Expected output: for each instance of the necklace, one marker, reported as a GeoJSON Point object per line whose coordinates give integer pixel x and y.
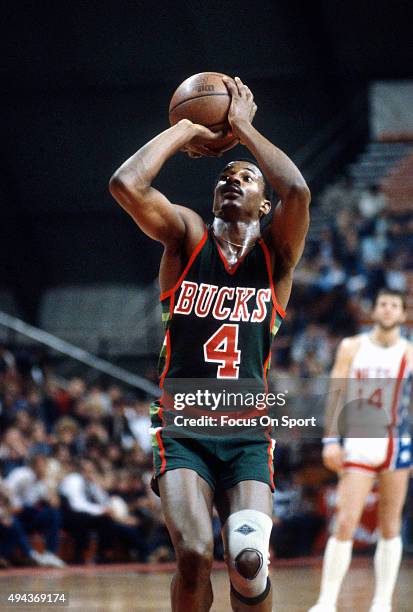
{"type": "Point", "coordinates": [240, 246]}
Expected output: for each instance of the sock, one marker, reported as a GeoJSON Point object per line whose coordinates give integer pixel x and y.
{"type": "Point", "coordinates": [386, 567]}
{"type": "Point", "coordinates": [337, 559]}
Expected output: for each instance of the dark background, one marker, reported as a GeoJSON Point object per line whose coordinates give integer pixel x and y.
{"type": "Point", "coordinates": [84, 84]}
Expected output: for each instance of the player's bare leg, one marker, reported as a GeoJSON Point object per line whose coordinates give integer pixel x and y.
{"type": "Point", "coordinates": [352, 492]}
{"type": "Point", "coordinates": [248, 503]}
{"type": "Point", "coordinates": [393, 489]}
{"type": "Point", "coordinates": [187, 506]}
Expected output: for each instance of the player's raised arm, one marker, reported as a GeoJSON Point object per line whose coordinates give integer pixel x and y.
{"type": "Point", "coordinates": [291, 216]}
{"type": "Point", "coordinates": [131, 184]}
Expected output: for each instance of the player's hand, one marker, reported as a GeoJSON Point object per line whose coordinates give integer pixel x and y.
{"type": "Point", "coordinates": [333, 457]}
{"type": "Point", "coordinates": [198, 145]}
{"type": "Point", "coordinates": [243, 107]}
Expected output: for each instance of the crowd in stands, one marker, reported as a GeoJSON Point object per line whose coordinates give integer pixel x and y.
{"type": "Point", "coordinates": [75, 459]}
{"type": "Point", "coordinates": [363, 245]}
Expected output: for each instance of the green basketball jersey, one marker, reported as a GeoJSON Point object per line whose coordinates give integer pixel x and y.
{"type": "Point", "coordinates": [220, 320]}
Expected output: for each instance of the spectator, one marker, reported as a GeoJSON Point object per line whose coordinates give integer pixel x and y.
{"type": "Point", "coordinates": [87, 508]}
{"type": "Point", "coordinates": [67, 400]}
{"type": "Point", "coordinates": [36, 504]}
{"type": "Point", "coordinates": [147, 508]}
{"type": "Point", "coordinates": [350, 254]}
{"type": "Point", "coordinates": [137, 426]}
{"type": "Point", "coordinates": [10, 399]}
{"type": "Point", "coordinates": [312, 341]}
{"type": "Point", "coordinates": [331, 276]}
{"type": "Point", "coordinates": [372, 202]}
{"type": "Point", "coordinates": [340, 195]}
{"type": "Point", "coordinates": [400, 228]}
{"type": "Point", "coordinates": [39, 439]}
{"type": "Point", "coordinates": [395, 277]}
{"type": "Point", "coordinates": [297, 521]}
{"type": "Point", "coordinates": [373, 248]}
{"type": "Point", "coordinates": [66, 432]}
{"type": "Point", "coordinates": [13, 538]}
{"type": "Point", "coordinates": [325, 247]}
{"type": "Point", "coordinates": [13, 450]}
{"type": "Point", "coordinates": [23, 423]}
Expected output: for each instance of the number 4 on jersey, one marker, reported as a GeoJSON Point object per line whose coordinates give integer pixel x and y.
{"type": "Point", "coordinates": [222, 348]}
{"type": "Point", "coordinates": [376, 399]}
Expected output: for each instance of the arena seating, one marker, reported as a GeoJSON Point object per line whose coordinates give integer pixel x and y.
{"type": "Point", "coordinates": [398, 185]}
{"type": "Point", "coordinates": [391, 165]}
{"type": "Point", "coordinates": [115, 319]}
{"type": "Point", "coordinates": [377, 161]}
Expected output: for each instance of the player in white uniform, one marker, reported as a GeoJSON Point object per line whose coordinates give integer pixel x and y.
{"type": "Point", "coordinates": [373, 373]}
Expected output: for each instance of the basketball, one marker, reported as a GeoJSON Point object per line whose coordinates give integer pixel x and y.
{"type": "Point", "coordinates": [203, 98]}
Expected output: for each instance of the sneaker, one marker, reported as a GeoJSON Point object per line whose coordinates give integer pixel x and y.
{"type": "Point", "coordinates": [323, 608]}
{"type": "Point", "coordinates": [37, 558]}
{"type": "Point", "coordinates": [53, 560]}
{"type": "Point", "coordinates": [46, 559]}
{"type": "Point", "coordinates": [376, 607]}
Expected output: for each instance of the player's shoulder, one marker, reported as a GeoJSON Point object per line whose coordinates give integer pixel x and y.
{"type": "Point", "coordinates": [188, 214]}
{"type": "Point", "coordinates": [194, 226]}
{"type": "Point", "coordinates": [350, 345]}
{"type": "Point", "coordinates": [351, 341]}
{"type": "Point", "coordinates": [193, 221]}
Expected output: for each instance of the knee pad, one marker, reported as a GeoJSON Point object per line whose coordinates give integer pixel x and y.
{"type": "Point", "coordinates": [246, 536]}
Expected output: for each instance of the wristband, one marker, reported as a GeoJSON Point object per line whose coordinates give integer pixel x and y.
{"type": "Point", "coordinates": [326, 441]}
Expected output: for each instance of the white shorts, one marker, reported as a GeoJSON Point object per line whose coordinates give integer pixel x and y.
{"type": "Point", "coordinates": [374, 455]}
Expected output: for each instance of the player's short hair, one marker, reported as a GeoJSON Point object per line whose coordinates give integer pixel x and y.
{"type": "Point", "coordinates": [388, 291]}
{"type": "Point", "coordinates": [268, 193]}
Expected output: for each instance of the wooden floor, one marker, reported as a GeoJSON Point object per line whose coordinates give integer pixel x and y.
{"type": "Point", "coordinates": [126, 589]}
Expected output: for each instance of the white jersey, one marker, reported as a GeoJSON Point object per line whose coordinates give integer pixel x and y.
{"type": "Point", "coordinates": [377, 407]}
{"type": "Point", "coordinates": [373, 360]}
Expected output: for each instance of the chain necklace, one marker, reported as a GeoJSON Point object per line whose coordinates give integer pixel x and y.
{"type": "Point", "coordinates": [240, 246]}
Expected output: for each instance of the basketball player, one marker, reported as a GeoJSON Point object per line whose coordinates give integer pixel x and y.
{"type": "Point", "coordinates": [224, 290]}
{"type": "Point", "coordinates": [385, 358]}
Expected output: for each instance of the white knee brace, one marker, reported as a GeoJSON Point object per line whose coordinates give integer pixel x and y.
{"type": "Point", "coordinates": [248, 530]}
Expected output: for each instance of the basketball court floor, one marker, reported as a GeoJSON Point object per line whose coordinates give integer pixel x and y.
{"type": "Point", "coordinates": [140, 588]}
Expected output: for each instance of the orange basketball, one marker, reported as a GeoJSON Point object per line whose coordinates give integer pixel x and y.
{"type": "Point", "coordinates": [203, 98]}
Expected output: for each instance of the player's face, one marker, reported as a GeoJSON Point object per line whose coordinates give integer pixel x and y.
{"type": "Point", "coordinates": [239, 193]}
{"type": "Point", "coordinates": [388, 312]}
